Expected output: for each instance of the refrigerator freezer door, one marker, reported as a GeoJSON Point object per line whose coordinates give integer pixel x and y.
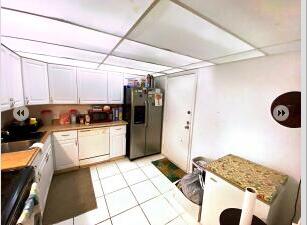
{"type": "Point", "coordinates": [137, 126]}
{"type": "Point", "coordinates": [153, 125]}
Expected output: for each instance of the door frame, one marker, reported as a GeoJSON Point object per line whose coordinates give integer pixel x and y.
{"type": "Point", "coordinates": [185, 73]}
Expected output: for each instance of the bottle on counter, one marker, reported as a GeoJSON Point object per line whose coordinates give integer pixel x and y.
{"type": "Point", "coordinates": [120, 113]}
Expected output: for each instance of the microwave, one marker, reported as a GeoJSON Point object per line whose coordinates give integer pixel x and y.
{"type": "Point", "coordinates": [100, 116]}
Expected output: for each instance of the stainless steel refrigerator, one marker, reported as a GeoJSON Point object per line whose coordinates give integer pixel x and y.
{"type": "Point", "coordinates": [143, 110]}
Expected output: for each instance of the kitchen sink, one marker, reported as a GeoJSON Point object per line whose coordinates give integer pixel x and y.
{"type": "Point", "coordinates": [16, 146]}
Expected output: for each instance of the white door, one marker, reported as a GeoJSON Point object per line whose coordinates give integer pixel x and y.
{"type": "Point", "coordinates": [178, 115]}
{"type": "Point", "coordinates": [35, 80]}
{"type": "Point", "coordinates": [115, 87]}
{"type": "Point", "coordinates": [66, 154]}
{"type": "Point", "coordinates": [63, 84]}
{"type": "Point", "coordinates": [93, 143]}
{"type": "Point", "coordinates": [4, 86]}
{"type": "Point", "coordinates": [15, 79]}
{"type": "Point", "coordinates": [92, 86]}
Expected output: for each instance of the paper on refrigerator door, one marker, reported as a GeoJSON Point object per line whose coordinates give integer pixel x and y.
{"type": "Point", "coordinates": [248, 207]}
{"type": "Point", "coordinates": [158, 99]}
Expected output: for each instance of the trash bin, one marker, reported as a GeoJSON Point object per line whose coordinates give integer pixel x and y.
{"type": "Point", "coordinates": [191, 187]}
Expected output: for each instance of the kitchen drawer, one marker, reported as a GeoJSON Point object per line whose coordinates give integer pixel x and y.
{"type": "Point", "coordinates": [65, 135]}
{"type": "Point", "coordinates": [118, 130]}
{"type": "Point", "coordinates": [93, 131]}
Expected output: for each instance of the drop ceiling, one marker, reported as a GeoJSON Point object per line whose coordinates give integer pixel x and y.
{"type": "Point", "coordinates": [149, 36]}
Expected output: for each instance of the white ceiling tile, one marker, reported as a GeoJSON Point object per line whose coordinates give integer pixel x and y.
{"type": "Point", "coordinates": [260, 22]}
{"type": "Point", "coordinates": [170, 26]}
{"type": "Point", "coordinates": [123, 70]}
{"type": "Point", "coordinates": [157, 74]}
{"type": "Point", "coordinates": [238, 56]}
{"type": "Point", "coordinates": [51, 50]}
{"type": "Point", "coordinates": [196, 65]}
{"type": "Point", "coordinates": [31, 27]}
{"type": "Point", "coordinates": [118, 61]}
{"type": "Point", "coordinates": [173, 71]}
{"type": "Point", "coordinates": [112, 16]}
{"type": "Point", "coordinates": [283, 48]}
{"type": "Point", "coordinates": [62, 61]}
{"type": "Point", "coordinates": [141, 52]}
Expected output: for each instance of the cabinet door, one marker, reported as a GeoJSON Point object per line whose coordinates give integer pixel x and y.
{"type": "Point", "coordinates": [15, 79]}
{"type": "Point", "coordinates": [220, 195]}
{"type": "Point", "coordinates": [44, 177]}
{"type": "Point", "coordinates": [4, 88]}
{"type": "Point", "coordinates": [63, 84]}
{"type": "Point", "coordinates": [117, 145]}
{"type": "Point", "coordinates": [66, 154]}
{"type": "Point", "coordinates": [115, 87]}
{"type": "Point", "coordinates": [35, 80]}
{"type": "Point", "coordinates": [92, 86]}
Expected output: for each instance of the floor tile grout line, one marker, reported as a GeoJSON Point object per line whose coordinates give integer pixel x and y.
{"type": "Point", "coordinates": [105, 200]}
{"type": "Point", "coordinates": [137, 200]}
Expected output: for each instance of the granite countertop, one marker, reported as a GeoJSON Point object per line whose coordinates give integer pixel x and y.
{"type": "Point", "coordinates": [20, 159]}
{"type": "Point", "coordinates": [243, 173]}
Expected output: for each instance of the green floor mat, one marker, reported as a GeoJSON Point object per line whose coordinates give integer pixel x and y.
{"type": "Point", "coordinates": [169, 169]}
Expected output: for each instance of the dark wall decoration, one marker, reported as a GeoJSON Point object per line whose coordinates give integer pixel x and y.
{"type": "Point", "coordinates": [286, 109]}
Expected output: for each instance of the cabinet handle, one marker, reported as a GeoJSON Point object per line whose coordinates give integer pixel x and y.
{"type": "Point", "coordinates": [79, 100]}
{"type": "Point", "coordinates": [214, 180]}
{"type": "Point", "coordinates": [51, 100]}
{"type": "Point", "coordinates": [76, 142]}
{"type": "Point", "coordinates": [65, 135]}
{"type": "Point", "coordinates": [27, 100]}
{"type": "Point", "coordinates": [47, 158]}
{"type": "Point", "coordinates": [82, 131]}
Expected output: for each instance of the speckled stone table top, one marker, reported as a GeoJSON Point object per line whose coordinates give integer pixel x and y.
{"type": "Point", "coordinates": [244, 173]}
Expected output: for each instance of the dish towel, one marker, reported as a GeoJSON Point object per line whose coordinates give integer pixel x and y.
{"type": "Point", "coordinates": [37, 145]}
{"type": "Point", "coordinates": [31, 213]}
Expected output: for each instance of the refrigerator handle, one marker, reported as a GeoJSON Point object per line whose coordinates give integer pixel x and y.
{"type": "Point", "coordinates": [146, 113]}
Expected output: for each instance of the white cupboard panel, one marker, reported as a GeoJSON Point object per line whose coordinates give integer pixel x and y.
{"type": "Point", "coordinates": [92, 86]}
{"type": "Point", "coordinates": [66, 154]}
{"type": "Point", "coordinates": [4, 85]}
{"type": "Point", "coordinates": [35, 79]}
{"type": "Point", "coordinates": [12, 79]}
{"type": "Point", "coordinates": [63, 84]}
{"type": "Point", "coordinates": [117, 145]}
{"type": "Point", "coordinates": [115, 87]}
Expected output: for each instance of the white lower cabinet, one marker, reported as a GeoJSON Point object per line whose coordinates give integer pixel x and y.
{"type": "Point", "coordinates": [117, 141]}
{"type": "Point", "coordinates": [220, 195]}
{"type": "Point", "coordinates": [66, 149]}
{"type": "Point", "coordinates": [45, 173]}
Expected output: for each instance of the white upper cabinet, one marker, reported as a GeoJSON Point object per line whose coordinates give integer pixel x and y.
{"type": "Point", "coordinates": [115, 88]}
{"type": "Point", "coordinates": [11, 88]}
{"type": "Point", "coordinates": [62, 84]}
{"type": "Point", "coordinates": [4, 90]}
{"type": "Point", "coordinates": [35, 80]}
{"type": "Point", "coordinates": [92, 86]}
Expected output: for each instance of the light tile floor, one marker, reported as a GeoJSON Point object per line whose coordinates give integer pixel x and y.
{"type": "Point", "coordinates": [132, 193]}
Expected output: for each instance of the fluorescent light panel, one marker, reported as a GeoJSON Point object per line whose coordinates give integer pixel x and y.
{"type": "Point", "coordinates": [237, 57]}
{"type": "Point", "coordinates": [123, 70]}
{"type": "Point", "coordinates": [112, 16]}
{"type": "Point", "coordinates": [170, 26]}
{"type": "Point", "coordinates": [133, 50]}
{"type": "Point", "coordinates": [196, 65]}
{"type": "Point", "coordinates": [35, 47]}
{"type": "Point", "coordinates": [16, 24]}
{"type": "Point", "coordinates": [57, 60]}
{"type": "Point", "coordinates": [176, 70]}
{"type": "Point", "coordinates": [118, 61]}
